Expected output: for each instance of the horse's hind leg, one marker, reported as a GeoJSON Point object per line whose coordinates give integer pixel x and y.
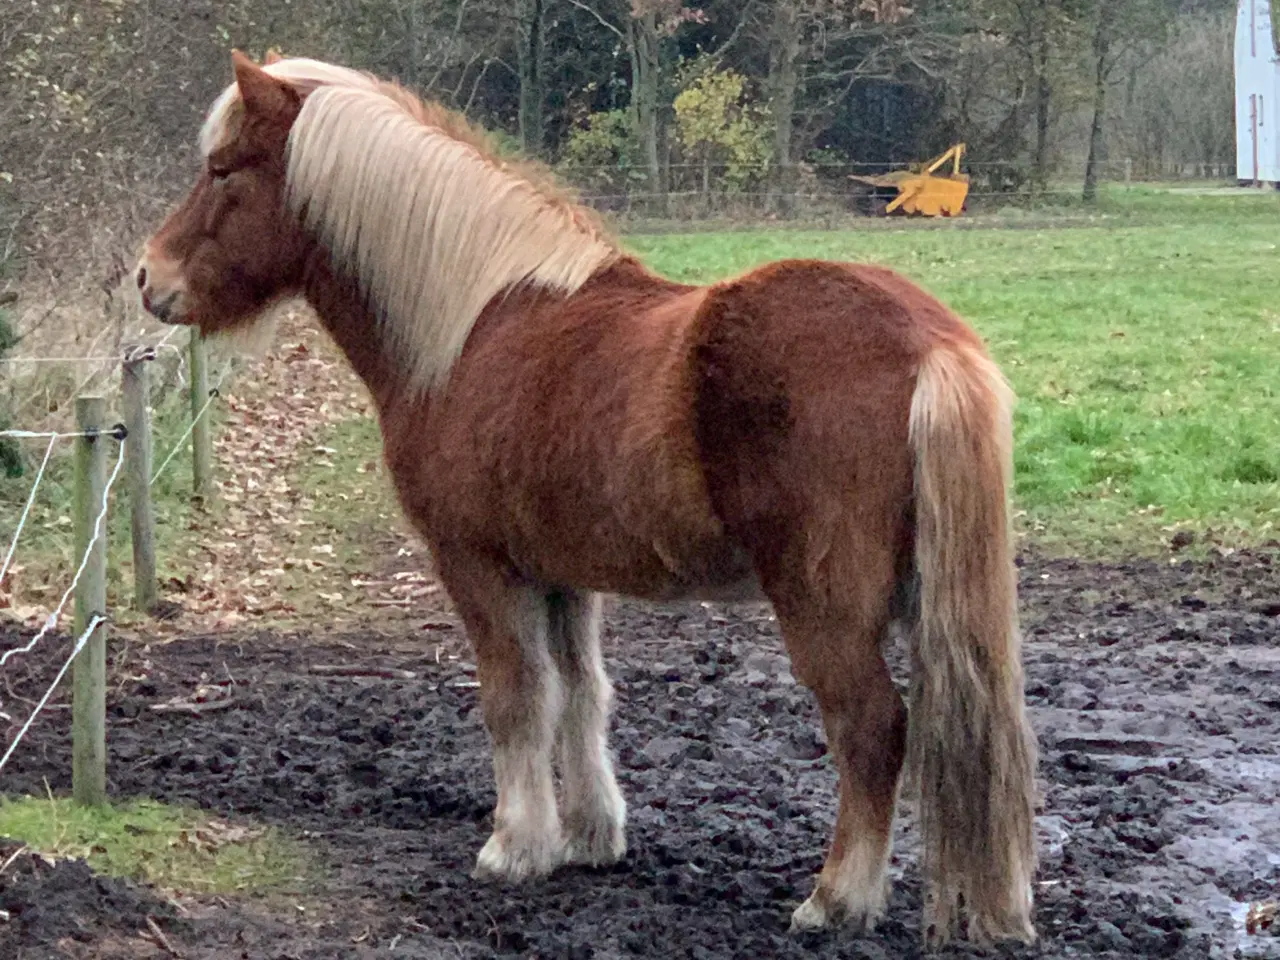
{"type": "Point", "coordinates": [521, 694]}
{"type": "Point", "coordinates": [866, 726]}
{"type": "Point", "coordinates": [594, 812]}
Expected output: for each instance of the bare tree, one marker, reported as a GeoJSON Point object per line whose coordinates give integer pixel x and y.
{"type": "Point", "coordinates": [1133, 29]}
{"type": "Point", "coordinates": [530, 30]}
{"type": "Point", "coordinates": [813, 43]}
{"type": "Point", "coordinates": [642, 25]}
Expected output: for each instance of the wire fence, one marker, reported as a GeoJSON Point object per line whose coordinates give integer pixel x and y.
{"type": "Point", "coordinates": [24, 361]}
{"type": "Point", "coordinates": [132, 354]}
{"type": "Point", "coordinates": [26, 508]}
{"type": "Point", "coordinates": [51, 621]}
{"type": "Point", "coordinates": [153, 348]}
{"type": "Point", "coordinates": [213, 394]}
{"type": "Point", "coordinates": [835, 168]}
{"type": "Point", "coordinates": [47, 398]}
{"type": "Point", "coordinates": [94, 487]}
{"type": "Point", "coordinates": [76, 650]}
{"type": "Point", "coordinates": [93, 546]}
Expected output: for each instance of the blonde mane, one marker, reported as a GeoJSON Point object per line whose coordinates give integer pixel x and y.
{"type": "Point", "coordinates": [412, 203]}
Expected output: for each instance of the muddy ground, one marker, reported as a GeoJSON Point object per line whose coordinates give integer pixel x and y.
{"type": "Point", "coordinates": [1155, 687]}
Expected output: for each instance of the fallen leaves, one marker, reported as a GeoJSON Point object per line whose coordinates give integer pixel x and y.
{"type": "Point", "coordinates": [213, 835]}
{"type": "Point", "coordinates": [253, 555]}
{"type": "Point", "coordinates": [1261, 918]}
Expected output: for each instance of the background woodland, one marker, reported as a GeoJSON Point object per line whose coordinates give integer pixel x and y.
{"type": "Point", "coordinates": [649, 107]}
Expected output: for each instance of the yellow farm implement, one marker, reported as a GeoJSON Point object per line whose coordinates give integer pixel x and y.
{"type": "Point", "coordinates": [923, 191]}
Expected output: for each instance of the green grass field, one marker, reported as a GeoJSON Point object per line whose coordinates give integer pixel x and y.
{"type": "Point", "coordinates": [1143, 342]}
{"type": "Point", "coordinates": [1142, 337]}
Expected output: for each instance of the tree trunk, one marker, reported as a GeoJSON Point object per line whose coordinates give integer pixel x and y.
{"type": "Point", "coordinates": [1044, 99]}
{"type": "Point", "coordinates": [642, 36]}
{"type": "Point", "coordinates": [530, 14]}
{"type": "Point", "coordinates": [413, 74]}
{"type": "Point", "coordinates": [784, 80]}
{"type": "Point", "coordinates": [1102, 56]}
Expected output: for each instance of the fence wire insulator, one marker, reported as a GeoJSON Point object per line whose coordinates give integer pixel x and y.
{"type": "Point", "coordinates": [142, 353]}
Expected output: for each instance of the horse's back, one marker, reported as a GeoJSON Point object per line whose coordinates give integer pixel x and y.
{"type": "Point", "coordinates": [653, 439]}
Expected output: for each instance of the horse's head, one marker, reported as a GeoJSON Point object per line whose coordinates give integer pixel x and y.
{"type": "Point", "coordinates": [231, 249]}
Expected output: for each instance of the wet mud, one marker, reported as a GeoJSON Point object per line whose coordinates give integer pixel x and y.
{"type": "Point", "coordinates": [1154, 687]}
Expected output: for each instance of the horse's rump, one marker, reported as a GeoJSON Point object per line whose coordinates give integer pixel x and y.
{"type": "Point", "coordinates": [806, 371]}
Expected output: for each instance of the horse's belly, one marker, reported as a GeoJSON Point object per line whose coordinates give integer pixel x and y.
{"type": "Point", "coordinates": [664, 567]}
{"type": "Point", "coordinates": [719, 573]}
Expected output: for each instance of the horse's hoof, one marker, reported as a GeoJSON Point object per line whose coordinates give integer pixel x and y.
{"type": "Point", "coordinates": [818, 913]}
{"type": "Point", "coordinates": [810, 915]}
{"type": "Point", "coordinates": [504, 861]}
{"type": "Point", "coordinates": [596, 845]}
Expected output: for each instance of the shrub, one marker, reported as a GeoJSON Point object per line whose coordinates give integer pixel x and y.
{"type": "Point", "coordinates": [600, 155]}
{"type": "Point", "coordinates": [719, 126]}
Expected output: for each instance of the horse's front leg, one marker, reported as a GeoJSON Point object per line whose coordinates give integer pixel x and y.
{"type": "Point", "coordinates": [521, 695]}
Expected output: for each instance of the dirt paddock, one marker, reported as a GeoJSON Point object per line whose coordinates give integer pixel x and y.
{"type": "Point", "coordinates": [1153, 685]}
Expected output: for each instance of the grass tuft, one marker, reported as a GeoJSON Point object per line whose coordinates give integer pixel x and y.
{"type": "Point", "coordinates": [168, 847]}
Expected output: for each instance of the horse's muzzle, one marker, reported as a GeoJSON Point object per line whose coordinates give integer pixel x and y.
{"type": "Point", "coordinates": [163, 300]}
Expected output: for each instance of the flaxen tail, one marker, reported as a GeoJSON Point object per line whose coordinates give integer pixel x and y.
{"type": "Point", "coordinates": [971, 750]}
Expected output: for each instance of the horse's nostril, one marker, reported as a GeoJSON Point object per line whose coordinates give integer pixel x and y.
{"type": "Point", "coordinates": [142, 277]}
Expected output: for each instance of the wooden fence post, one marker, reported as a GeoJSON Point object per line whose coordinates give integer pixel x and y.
{"type": "Point", "coordinates": [135, 383]}
{"type": "Point", "coordinates": [89, 673]}
{"type": "Point", "coordinates": [201, 436]}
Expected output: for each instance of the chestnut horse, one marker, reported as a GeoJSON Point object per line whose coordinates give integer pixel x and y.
{"type": "Point", "coordinates": [560, 422]}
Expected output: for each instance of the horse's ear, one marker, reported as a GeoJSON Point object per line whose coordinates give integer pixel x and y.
{"type": "Point", "coordinates": [262, 93]}
{"type": "Point", "coordinates": [273, 56]}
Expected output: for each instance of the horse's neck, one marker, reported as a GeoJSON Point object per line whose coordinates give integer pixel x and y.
{"type": "Point", "coordinates": [357, 332]}
{"type": "Point", "coordinates": [354, 328]}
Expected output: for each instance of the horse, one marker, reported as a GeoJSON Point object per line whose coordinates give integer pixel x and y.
{"type": "Point", "coordinates": [561, 423]}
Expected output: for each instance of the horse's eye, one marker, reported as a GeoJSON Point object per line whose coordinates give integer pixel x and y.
{"type": "Point", "coordinates": [219, 173]}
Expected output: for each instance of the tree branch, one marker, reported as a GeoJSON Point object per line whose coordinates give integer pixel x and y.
{"type": "Point", "coordinates": [475, 87]}
{"type": "Point", "coordinates": [748, 9]}
{"type": "Point", "coordinates": [586, 8]}
{"type": "Point", "coordinates": [453, 39]}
